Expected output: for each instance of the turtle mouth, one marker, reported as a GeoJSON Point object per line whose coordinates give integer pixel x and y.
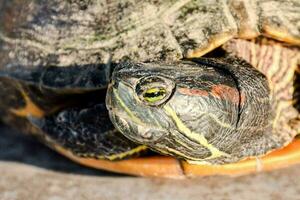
{"type": "Point", "coordinates": [136, 131]}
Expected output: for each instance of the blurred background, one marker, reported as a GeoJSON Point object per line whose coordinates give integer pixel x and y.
{"type": "Point", "coordinates": [30, 170]}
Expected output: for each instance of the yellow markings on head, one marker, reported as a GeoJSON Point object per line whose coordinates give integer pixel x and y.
{"type": "Point", "coordinates": [30, 109]}
{"type": "Point", "coordinates": [127, 110]}
{"type": "Point", "coordinates": [189, 159]}
{"type": "Point", "coordinates": [215, 153]}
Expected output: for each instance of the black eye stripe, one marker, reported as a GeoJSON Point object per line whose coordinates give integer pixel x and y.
{"type": "Point", "coordinates": [154, 94]}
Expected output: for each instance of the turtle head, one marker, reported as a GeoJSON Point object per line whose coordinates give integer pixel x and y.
{"type": "Point", "coordinates": [175, 109]}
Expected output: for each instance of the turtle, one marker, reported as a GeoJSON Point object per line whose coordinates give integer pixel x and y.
{"type": "Point", "coordinates": [155, 88]}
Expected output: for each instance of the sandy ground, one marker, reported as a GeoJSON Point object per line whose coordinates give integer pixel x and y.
{"type": "Point", "coordinates": [29, 170]}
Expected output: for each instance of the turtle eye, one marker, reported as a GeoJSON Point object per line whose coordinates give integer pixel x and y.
{"type": "Point", "coordinates": [154, 91]}
{"type": "Point", "coordinates": [155, 94]}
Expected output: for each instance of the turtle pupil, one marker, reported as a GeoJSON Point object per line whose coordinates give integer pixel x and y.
{"type": "Point", "coordinates": [154, 94]}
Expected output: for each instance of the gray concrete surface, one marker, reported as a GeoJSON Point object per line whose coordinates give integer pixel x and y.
{"type": "Point", "coordinates": [29, 170]}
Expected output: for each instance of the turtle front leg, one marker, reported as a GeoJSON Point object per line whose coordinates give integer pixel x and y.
{"type": "Point", "coordinates": [86, 132]}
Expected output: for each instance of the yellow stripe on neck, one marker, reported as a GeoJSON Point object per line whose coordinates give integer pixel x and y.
{"type": "Point", "coordinates": [215, 153]}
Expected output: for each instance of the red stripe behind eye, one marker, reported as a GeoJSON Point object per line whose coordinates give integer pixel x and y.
{"type": "Point", "coordinates": [225, 92]}
{"type": "Point", "coordinates": [218, 91]}
{"type": "Point", "coordinates": [193, 92]}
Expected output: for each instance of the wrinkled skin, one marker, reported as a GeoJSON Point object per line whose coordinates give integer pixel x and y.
{"type": "Point", "coordinates": [209, 112]}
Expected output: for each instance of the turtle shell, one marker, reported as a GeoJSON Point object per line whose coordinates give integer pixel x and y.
{"type": "Point", "coordinates": [41, 40]}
